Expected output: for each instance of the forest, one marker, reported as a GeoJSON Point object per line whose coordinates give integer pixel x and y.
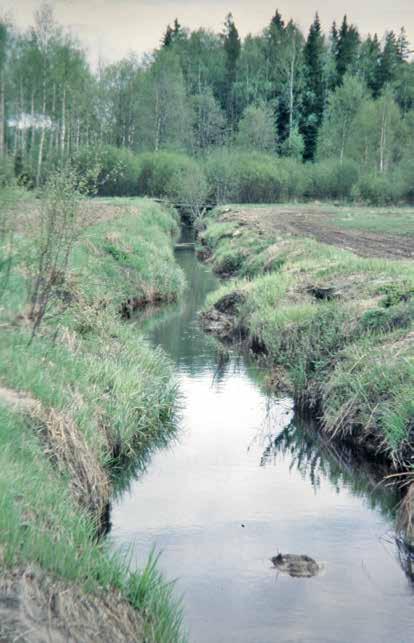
{"type": "Point", "coordinates": [180, 375]}
{"type": "Point", "coordinates": [206, 116]}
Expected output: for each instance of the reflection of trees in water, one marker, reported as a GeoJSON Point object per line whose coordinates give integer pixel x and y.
{"type": "Point", "coordinates": [405, 553]}
{"type": "Point", "coordinates": [317, 459]}
{"type": "Point", "coordinates": [126, 470]}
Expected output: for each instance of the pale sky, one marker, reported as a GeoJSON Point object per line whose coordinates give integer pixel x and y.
{"type": "Point", "coordinates": [112, 28]}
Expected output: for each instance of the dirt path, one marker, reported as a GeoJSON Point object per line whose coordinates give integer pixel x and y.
{"type": "Point", "coordinates": [319, 224]}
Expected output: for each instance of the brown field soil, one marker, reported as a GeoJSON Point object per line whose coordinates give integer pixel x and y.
{"type": "Point", "coordinates": [320, 223]}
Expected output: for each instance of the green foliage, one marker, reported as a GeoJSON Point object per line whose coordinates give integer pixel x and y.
{"type": "Point", "coordinates": [397, 293]}
{"type": "Point", "coordinates": [239, 177]}
{"type": "Point", "coordinates": [349, 359]}
{"type": "Point", "coordinates": [203, 90]}
{"type": "Point", "coordinates": [386, 320]}
{"type": "Point", "coordinates": [332, 179]}
{"type": "Point", "coordinates": [314, 95]}
{"type": "Point", "coordinates": [6, 172]}
{"type": "Point", "coordinates": [117, 170]}
{"type": "Point", "coordinates": [257, 129]}
{"type": "Point", "coordinates": [162, 172]}
{"type": "Point", "coordinates": [378, 189]}
{"type": "Point", "coordinates": [294, 146]}
{"type": "Point", "coordinates": [84, 354]}
{"type": "Point", "coordinates": [40, 523]}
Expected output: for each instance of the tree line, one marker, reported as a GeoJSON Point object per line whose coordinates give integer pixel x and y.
{"type": "Point", "coordinates": [308, 97]}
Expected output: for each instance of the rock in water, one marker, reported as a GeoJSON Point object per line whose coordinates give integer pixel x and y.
{"type": "Point", "coordinates": [296, 566]}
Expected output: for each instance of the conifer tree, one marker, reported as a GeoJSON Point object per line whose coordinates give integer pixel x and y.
{"type": "Point", "coordinates": [390, 60]}
{"type": "Point", "coordinates": [314, 97]}
{"type": "Point", "coordinates": [403, 46]}
{"type": "Point", "coordinates": [347, 49]}
{"type": "Point", "coordinates": [277, 21]}
{"type": "Point", "coordinates": [232, 49]}
{"type": "Point", "coordinates": [168, 37]}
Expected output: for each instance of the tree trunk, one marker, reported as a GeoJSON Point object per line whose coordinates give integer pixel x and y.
{"type": "Point", "coordinates": [157, 121]}
{"type": "Point", "coordinates": [51, 138]}
{"type": "Point", "coordinates": [42, 138]}
{"type": "Point", "coordinates": [383, 140]}
{"type": "Point", "coordinates": [291, 94]}
{"type": "Point", "coordinates": [63, 124]}
{"type": "Point", "coordinates": [343, 140]}
{"type": "Point", "coordinates": [2, 116]}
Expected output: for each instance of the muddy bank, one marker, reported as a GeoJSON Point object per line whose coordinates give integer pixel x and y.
{"type": "Point", "coordinates": [82, 400]}
{"type": "Point", "coordinates": [338, 329]}
{"type": "Point", "coordinates": [35, 608]}
{"type": "Point", "coordinates": [324, 223]}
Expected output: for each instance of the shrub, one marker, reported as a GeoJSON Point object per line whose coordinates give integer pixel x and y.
{"type": "Point", "coordinates": [378, 189]}
{"type": "Point", "coordinates": [192, 189]}
{"type": "Point", "coordinates": [162, 173]}
{"type": "Point", "coordinates": [294, 146]}
{"type": "Point", "coordinates": [257, 129]}
{"type": "Point", "coordinates": [294, 178]}
{"type": "Point", "coordinates": [222, 179]}
{"type": "Point", "coordinates": [6, 172]}
{"type": "Point", "coordinates": [244, 178]}
{"type": "Point", "coordinates": [109, 170]}
{"type": "Point", "coordinates": [404, 178]}
{"type": "Point", "coordinates": [332, 179]}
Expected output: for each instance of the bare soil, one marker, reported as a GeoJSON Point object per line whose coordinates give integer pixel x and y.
{"type": "Point", "coordinates": [36, 609]}
{"type": "Point", "coordinates": [318, 223]}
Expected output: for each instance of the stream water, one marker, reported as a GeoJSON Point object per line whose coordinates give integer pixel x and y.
{"type": "Point", "coordinates": [245, 480]}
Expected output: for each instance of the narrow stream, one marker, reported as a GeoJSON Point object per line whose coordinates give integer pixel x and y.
{"type": "Point", "coordinates": [246, 480]}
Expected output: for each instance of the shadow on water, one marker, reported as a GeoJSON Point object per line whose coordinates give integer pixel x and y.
{"type": "Point", "coordinates": [242, 478]}
{"type": "Point", "coordinates": [317, 460]}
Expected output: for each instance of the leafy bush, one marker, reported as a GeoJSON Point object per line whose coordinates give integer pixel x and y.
{"type": "Point", "coordinates": [244, 178]}
{"type": "Point", "coordinates": [110, 171]}
{"type": "Point", "coordinates": [6, 172]}
{"type": "Point", "coordinates": [221, 178]}
{"type": "Point", "coordinates": [403, 176]}
{"type": "Point", "coordinates": [162, 173]}
{"type": "Point", "coordinates": [332, 179]}
{"type": "Point", "coordinates": [378, 189]}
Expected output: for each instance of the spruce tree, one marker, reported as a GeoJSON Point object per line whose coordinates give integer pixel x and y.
{"type": "Point", "coordinates": [390, 60]}
{"type": "Point", "coordinates": [333, 54]}
{"type": "Point", "coordinates": [168, 37]}
{"type": "Point", "coordinates": [276, 47]}
{"type": "Point", "coordinates": [232, 49]}
{"type": "Point", "coordinates": [314, 98]}
{"type": "Point", "coordinates": [277, 21]}
{"type": "Point", "coordinates": [347, 49]}
{"type": "Point", "coordinates": [403, 46]}
{"type": "Point", "coordinates": [369, 64]}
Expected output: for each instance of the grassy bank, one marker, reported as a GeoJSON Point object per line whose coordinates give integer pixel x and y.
{"type": "Point", "coordinates": [86, 396]}
{"type": "Point", "coordinates": [338, 328]}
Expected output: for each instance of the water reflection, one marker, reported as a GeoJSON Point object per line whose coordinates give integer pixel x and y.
{"type": "Point", "coordinates": [317, 460]}
{"type": "Point", "coordinates": [244, 479]}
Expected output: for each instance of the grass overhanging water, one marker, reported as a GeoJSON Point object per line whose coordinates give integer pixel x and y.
{"type": "Point", "coordinates": [90, 382]}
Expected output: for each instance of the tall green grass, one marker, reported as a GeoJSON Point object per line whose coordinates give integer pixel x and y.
{"type": "Point", "coordinates": [92, 367]}
{"type": "Point", "coordinates": [40, 523]}
{"type": "Point", "coordinates": [349, 358]}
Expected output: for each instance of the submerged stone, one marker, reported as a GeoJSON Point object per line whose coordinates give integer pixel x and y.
{"type": "Point", "coordinates": [297, 566]}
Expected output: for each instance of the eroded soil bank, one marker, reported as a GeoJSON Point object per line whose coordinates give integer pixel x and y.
{"type": "Point", "coordinates": [78, 403]}
{"type": "Point", "coordinates": [246, 480]}
{"type": "Point", "coordinates": [337, 329]}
